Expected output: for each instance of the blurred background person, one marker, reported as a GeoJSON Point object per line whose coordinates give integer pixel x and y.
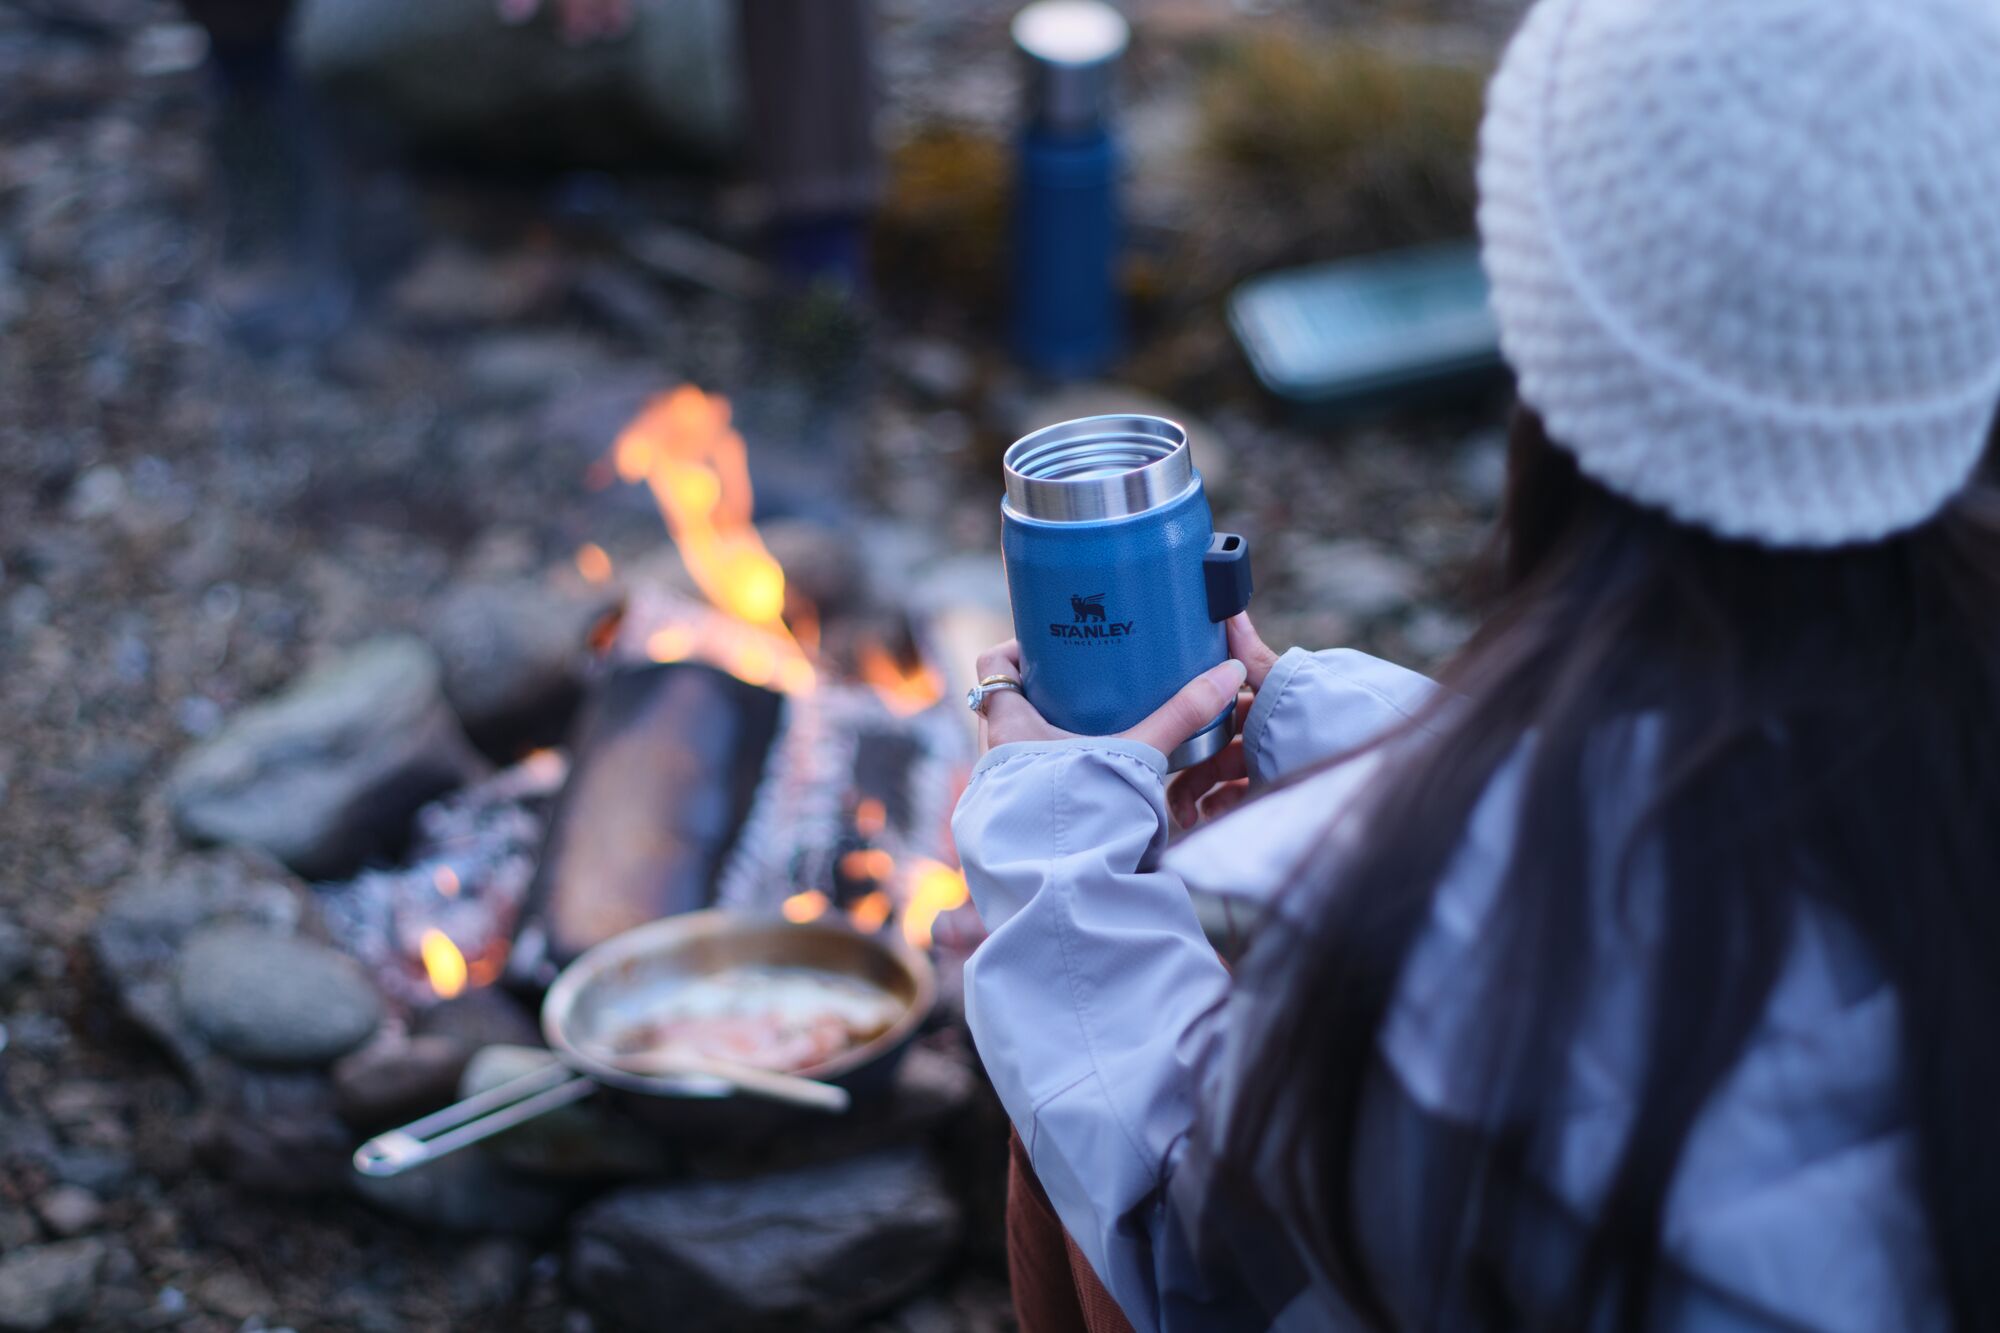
{"type": "Point", "coordinates": [810, 110]}
{"type": "Point", "coordinates": [280, 273]}
{"type": "Point", "coordinates": [284, 271]}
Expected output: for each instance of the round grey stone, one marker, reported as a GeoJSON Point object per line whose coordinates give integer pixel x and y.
{"type": "Point", "coordinates": [326, 774]}
{"type": "Point", "coordinates": [811, 1249]}
{"type": "Point", "coordinates": [42, 1285]}
{"type": "Point", "coordinates": [270, 999]}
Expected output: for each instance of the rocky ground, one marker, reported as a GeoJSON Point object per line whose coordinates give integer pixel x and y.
{"type": "Point", "coordinates": [186, 524]}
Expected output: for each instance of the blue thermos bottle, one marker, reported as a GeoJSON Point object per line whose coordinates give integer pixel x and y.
{"type": "Point", "coordinates": [1067, 314]}
{"type": "Point", "coordinates": [1118, 579]}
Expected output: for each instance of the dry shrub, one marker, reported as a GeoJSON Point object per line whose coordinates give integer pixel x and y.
{"type": "Point", "coordinates": [940, 234]}
{"type": "Point", "coordinates": [1352, 147]}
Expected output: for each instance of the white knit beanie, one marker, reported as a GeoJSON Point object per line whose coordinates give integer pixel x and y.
{"type": "Point", "coordinates": [1745, 254]}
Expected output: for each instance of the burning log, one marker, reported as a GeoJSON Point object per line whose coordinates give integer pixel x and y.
{"type": "Point", "coordinates": [665, 764]}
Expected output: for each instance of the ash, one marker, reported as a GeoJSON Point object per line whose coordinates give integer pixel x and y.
{"type": "Point", "coordinates": [467, 876]}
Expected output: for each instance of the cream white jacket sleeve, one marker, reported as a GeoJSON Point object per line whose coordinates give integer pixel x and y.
{"type": "Point", "coordinates": [1096, 1002]}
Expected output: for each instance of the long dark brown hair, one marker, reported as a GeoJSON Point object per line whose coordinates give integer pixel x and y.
{"type": "Point", "coordinates": [1823, 728]}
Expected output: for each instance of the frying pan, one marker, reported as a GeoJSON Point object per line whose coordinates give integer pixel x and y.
{"type": "Point", "coordinates": [619, 983]}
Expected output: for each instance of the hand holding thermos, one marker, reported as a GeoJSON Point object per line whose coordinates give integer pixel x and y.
{"type": "Point", "coordinates": [1128, 606]}
{"type": "Point", "coordinates": [1203, 790]}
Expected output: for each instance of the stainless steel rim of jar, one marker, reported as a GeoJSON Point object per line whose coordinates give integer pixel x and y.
{"type": "Point", "coordinates": [1204, 743]}
{"type": "Point", "coordinates": [1098, 468]}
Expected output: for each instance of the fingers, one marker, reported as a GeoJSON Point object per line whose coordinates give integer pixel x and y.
{"type": "Point", "coordinates": [1249, 648]}
{"type": "Point", "coordinates": [1191, 709]}
{"type": "Point", "coordinates": [1225, 798]}
{"type": "Point", "coordinates": [1185, 792]}
{"type": "Point", "coordinates": [1008, 715]}
{"type": "Point", "coordinates": [1010, 718]}
{"type": "Point", "coordinates": [1002, 659]}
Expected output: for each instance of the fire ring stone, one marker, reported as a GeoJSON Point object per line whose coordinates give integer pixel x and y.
{"type": "Point", "coordinates": [272, 999]}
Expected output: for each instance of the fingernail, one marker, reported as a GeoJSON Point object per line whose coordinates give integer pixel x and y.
{"type": "Point", "coordinates": [1241, 672]}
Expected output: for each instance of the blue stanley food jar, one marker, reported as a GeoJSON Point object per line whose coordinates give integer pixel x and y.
{"type": "Point", "coordinates": [1118, 579]}
{"type": "Point", "coordinates": [1067, 317]}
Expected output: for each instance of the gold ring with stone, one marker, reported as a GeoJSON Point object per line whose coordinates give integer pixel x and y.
{"type": "Point", "coordinates": [975, 698]}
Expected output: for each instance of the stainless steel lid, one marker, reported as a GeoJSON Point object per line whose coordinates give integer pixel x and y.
{"type": "Point", "coordinates": [1097, 468]}
{"type": "Point", "coordinates": [1072, 49]}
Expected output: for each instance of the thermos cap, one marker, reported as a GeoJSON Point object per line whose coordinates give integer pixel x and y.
{"type": "Point", "coordinates": [1096, 468]}
{"type": "Point", "coordinates": [1072, 48]}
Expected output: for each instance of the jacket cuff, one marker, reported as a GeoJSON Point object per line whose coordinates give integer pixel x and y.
{"type": "Point", "coordinates": [1266, 703]}
{"type": "Point", "coordinates": [1118, 745]}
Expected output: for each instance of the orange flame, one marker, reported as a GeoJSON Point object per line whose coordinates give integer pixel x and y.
{"type": "Point", "coordinates": [870, 912]}
{"type": "Point", "coordinates": [905, 689]}
{"type": "Point", "coordinates": [810, 905]}
{"type": "Point", "coordinates": [870, 816]}
{"type": "Point", "coordinates": [684, 448]}
{"type": "Point", "coordinates": [693, 460]}
{"type": "Point", "coordinates": [593, 563]}
{"type": "Point", "coordinates": [935, 888]}
{"type": "Point", "coordinates": [486, 969]}
{"type": "Point", "coordinates": [443, 963]}
{"type": "Point", "coordinates": [545, 765]}
{"type": "Point", "coordinates": [868, 863]}
{"type": "Point", "coordinates": [671, 644]}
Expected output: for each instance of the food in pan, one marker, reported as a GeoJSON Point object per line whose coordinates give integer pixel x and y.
{"type": "Point", "coordinates": [780, 1018]}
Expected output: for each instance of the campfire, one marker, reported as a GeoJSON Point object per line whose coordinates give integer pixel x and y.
{"type": "Point", "coordinates": [847, 763]}
{"type": "Point", "coordinates": [721, 742]}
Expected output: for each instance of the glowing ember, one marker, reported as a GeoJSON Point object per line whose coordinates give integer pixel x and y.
{"type": "Point", "coordinates": [796, 677]}
{"type": "Point", "coordinates": [443, 963]}
{"type": "Point", "coordinates": [906, 689]}
{"type": "Point", "coordinates": [446, 880]}
{"type": "Point", "coordinates": [935, 888]}
{"type": "Point", "coordinates": [808, 906]}
{"type": "Point", "coordinates": [870, 912]}
{"type": "Point", "coordinates": [593, 563]}
{"type": "Point", "coordinates": [486, 969]}
{"type": "Point", "coordinates": [544, 768]}
{"type": "Point", "coordinates": [870, 817]}
{"type": "Point", "coordinates": [870, 863]}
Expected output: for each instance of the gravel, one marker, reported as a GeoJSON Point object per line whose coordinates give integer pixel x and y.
{"type": "Point", "coordinates": [69, 1210]}
{"type": "Point", "coordinates": [45, 1284]}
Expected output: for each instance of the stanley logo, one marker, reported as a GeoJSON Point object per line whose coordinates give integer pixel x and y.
{"type": "Point", "coordinates": [1090, 621]}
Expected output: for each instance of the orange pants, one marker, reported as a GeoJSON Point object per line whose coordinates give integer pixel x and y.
{"type": "Point", "coordinates": [1055, 1290]}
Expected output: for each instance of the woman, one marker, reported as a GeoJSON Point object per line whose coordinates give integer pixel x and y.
{"type": "Point", "coordinates": [1643, 975]}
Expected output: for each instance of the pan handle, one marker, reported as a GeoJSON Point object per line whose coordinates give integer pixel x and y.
{"type": "Point", "coordinates": [481, 1116]}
